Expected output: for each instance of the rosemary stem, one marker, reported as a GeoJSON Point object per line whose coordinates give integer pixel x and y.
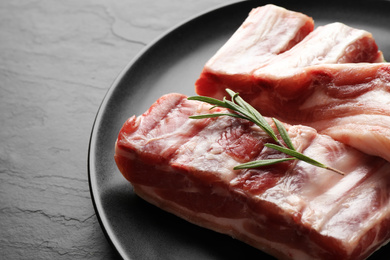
{"type": "Point", "coordinates": [335, 170]}
{"type": "Point", "coordinates": [245, 111]}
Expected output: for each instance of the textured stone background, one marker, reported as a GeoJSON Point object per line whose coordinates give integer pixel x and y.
{"type": "Point", "coordinates": [57, 60]}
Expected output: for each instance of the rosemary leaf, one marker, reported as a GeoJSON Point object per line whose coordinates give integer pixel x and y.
{"type": "Point", "coordinates": [296, 154]}
{"type": "Point", "coordinates": [236, 98]}
{"type": "Point", "coordinates": [252, 114]}
{"type": "Point", "coordinates": [216, 115]}
{"type": "Point", "coordinates": [299, 156]}
{"type": "Point", "coordinates": [245, 111]}
{"type": "Point", "coordinates": [260, 163]}
{"type": "Point", "coordinates": [209, 100]}
{"type": "Point", "coordinates": [233, 106]}
{"type": "Point", "coordinates": [283, 133]}
{"type": "Point", "coordinates": [256, 114]}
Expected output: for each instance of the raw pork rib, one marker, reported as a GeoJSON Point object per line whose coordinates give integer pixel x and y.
{"type": "Point", "coordinates": [234, 65]}
{"type": "Point", "coordinates": [291, 210]}
{"type": "Point", "coordinates": [328, 44]}
{"type": "Point", "coordinates": [351, 103]}
{"type": "Point", "coordinates": [268, 31]}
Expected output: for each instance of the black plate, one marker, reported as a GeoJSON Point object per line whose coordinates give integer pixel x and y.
{"type": "Point", "coordinates": [172, 64]}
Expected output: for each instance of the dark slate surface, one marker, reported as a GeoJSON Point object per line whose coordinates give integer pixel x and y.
{"type": "Point", "coordinates": [57, 61]}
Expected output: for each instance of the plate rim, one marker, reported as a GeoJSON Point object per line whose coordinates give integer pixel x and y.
{"type": "Point", "coordinates": [98, 116]}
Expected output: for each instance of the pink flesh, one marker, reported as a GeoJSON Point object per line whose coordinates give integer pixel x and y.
{"type": "Point", "coordinates": [268, 31]}
{"type": "Point", "coordinates": [315, 83]}
{"type": "Point", "coordinates": [349, 102]}
{"type": "Point", "coordinates": [329, 44]}
{"type": "Point", "coordinates": [245, 55]}
{"type": "Point", "coordinates": [291, 210]}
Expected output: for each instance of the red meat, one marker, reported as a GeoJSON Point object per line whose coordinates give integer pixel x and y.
{"type": "Point", "coordinates": [291, 210]}
{"type": "Point", "coordinates": [268, 31]}
{"type": "Point", "coordinates": [332, 80]}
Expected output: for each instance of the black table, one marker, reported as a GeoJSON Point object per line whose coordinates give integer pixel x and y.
{"type": "Point", "coordinates": [57, 61]}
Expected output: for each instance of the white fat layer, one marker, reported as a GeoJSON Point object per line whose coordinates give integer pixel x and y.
{"type": "Point", "coordinates": [328, 44]}
{"type": "Point", "coordinates": [210, 156]}
{"type": "Point", "coordinates": [265, 33]}
{"type": "Point", "coordinates": [367, 133]}
{"type": "Point", "coordinates": [232, 227]}
{"type": "Point", "coordinates": [369, 99]}
{"type": "Point", "coordinates": [344, 208]}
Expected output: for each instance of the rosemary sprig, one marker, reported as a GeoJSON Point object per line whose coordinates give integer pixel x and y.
{"type": "Point", "coordinates": [242, 109]}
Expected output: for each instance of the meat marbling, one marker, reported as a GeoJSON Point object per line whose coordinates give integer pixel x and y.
{"type": "Point", "coordinates": [291, 210]}
{"type": "Point", "coordinates": [268, 31]}
{"type": "Point", "coordinates": [333, 80]}
{"type": "Point", "coordinates": [349, 102]}
{"type": "Point", "coordinates": [249, 52]}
